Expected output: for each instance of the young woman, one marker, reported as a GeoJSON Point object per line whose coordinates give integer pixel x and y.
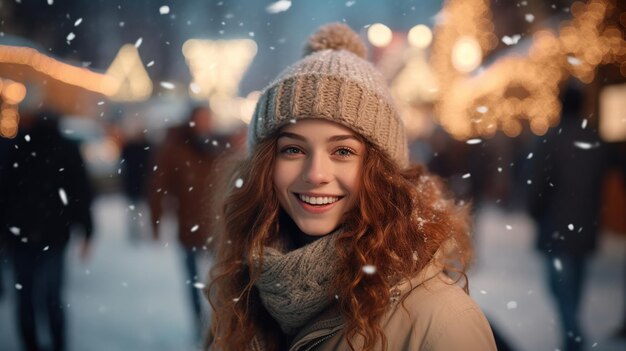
{"type": "Point", "coordinates": [329, 241]}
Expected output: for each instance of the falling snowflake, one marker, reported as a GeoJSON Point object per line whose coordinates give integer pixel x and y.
{"type": "Point", "coordinates": [474, 141]}
{"type": "Point", "coordinates": [350, 3]}
{"type": "Point", "coordinates": [70, 36]}
{"type": "Point", "coordinates": [570, 227]}
{"type": "Point", "coordinates": [499, 169]}
{"type": "Point", "coordinates": [138, 42]}
{"type": "Point", "coordinates": [195, 88]}
{"type": "Point", "coordinates": [557, 264]}
{"type": "Point", "coordinates": [484, 292]}
{"type": "Point", "coordinates": [585, 145]}
{"type": "Point", "coordinates": [466, 175]}
{"type": "Point", "coordinates": [482, 109]}
{"type": "Point", "coordinates": [63, 196]}
{"type": "Point", "coordinates": [511, 305]}
{"type": "Point", "coordinates": [194, 228]}
{"type": "Point", "coordinates": [18, 286]}
{"type": "Point", "coordinates": [167, 85]}
{"type": "Point", "coordinates": [150, 64]}
{"type": "Point", "coordinates": [369, 269]}
{"type": "Point", "coordinates": [574, 61]}
{"type": "Point", "coordinates": [239, 183]}
{"type": "Point", "coordinates": [15, 230]}
{"type": "Point", "coordinates": [50, 2]}
{"type": "Point", "coordinates": [164, 10]}
{"type": "Point", "coordinates": [530, 155]}
{"type": "Point", "coordinates": [27, 137]}
{"type": "Point", "coordinates": [46, 248]}
{"type": "Point", "coordinates": [199, 285]}
{"type": "Point", "coordinates": [78, 22]}
{"type": "Point", "coordinates": [278, 6]}
{"type": "Point", "coordinates": [584, 124]}
{"type": "Point", "coordinates": [529, 17]}
{"type": "Point", "coordinates": [511, 40]}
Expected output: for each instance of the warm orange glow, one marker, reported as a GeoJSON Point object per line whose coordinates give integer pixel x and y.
{"type": "Point", "coordinates": [612, 118]}
{"type": "Point", "coordinates": [58, 70]}
{"type": "Point", "coordinates": [517, 90]}
{"type": "Point", "coordinates": [13, 92]}
{"type": "Point", "coordinates": [8, 121]}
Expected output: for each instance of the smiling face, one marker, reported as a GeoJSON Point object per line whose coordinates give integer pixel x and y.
{"type": "Point", "coordinates": [317, 173]}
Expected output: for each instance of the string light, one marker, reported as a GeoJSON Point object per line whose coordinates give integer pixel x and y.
{"type": "Point", "coordinates": [517, 89]}
{"type": "Point", "coordinates": [127, 68]}
{"type": "Point", "coordinates": [58, 70]}
{"type": "Point", "coordinates": [12, 94]}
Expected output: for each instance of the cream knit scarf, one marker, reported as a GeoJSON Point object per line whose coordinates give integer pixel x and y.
{"type": "Point", "coordinates": [294, 286]}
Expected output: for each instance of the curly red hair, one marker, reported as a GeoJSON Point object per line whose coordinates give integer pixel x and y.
{"type": "Point", "coordinates": [401, 217]}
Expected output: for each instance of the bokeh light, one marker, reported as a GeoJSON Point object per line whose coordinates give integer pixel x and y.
{"type": "Point", "coordinates": [379, 35]}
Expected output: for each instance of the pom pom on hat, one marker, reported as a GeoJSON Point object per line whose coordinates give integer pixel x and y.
{"type": "Point", "coordinates": [336, 36]}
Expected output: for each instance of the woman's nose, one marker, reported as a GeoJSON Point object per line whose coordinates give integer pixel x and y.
{"type": "Point", "coordinates": [318, 170]}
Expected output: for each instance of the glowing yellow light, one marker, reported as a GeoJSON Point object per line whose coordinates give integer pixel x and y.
{"type": "Point", "coordinates": [379, 35]}
{"type": "Point", "coordinates": [248, 105]}
{"type": "Point", "coordinates": [217, 66]}
{"type": "Point", "coordinates": [420, 36]}
{"type": "Point", "coordinates": [466, 54]}
{"type": "Point", "coordinates": [127, 68]}
{"type": "Point", "coordinates": [13, 92]}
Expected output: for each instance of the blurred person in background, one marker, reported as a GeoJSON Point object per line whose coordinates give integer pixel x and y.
{"type": "Point", "coordinates": [44, 193]}
{"type": "Point", "coordinates": [568, 167]}
{"type": "Point", "coordinates": [136, 156]}
{"type": "Point", "coordinates": [182, 184]}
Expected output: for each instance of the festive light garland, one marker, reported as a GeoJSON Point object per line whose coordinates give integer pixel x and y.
{"type": "Point", "coordinates": [517, 88]}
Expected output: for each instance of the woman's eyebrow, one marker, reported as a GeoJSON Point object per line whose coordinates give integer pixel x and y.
{"type": "Point", "coordinates": [331, 139]}
{"type": "Point", "coordinates": [291, 135]}
{"type": "Point", "coordinates": [342, 137]}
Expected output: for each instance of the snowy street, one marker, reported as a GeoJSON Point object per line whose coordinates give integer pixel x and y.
{"type": "Point", "coordinates": [132, 297]}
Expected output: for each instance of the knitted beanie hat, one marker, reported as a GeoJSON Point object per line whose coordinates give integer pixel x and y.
{"type": "Point", "coordinates": [333, 82]}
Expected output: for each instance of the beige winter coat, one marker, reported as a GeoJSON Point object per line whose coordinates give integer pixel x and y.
{"type": "Point", "coordinates": [439, 316]}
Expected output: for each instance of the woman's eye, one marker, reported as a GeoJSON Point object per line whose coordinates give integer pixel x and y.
{"type": "Point", "coordinates": [290, 150]}
{"type": "Point", "coordinates": [344, 152]}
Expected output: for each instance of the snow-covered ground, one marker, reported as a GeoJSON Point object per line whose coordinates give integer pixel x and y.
{"type": "Point", "coordinates": [509, 283]}
{"type": "Point", "coordinates": [132, 296]}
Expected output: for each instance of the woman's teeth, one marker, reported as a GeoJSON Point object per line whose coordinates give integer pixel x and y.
{"type": "Point", "coordinates": [324, 200]}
